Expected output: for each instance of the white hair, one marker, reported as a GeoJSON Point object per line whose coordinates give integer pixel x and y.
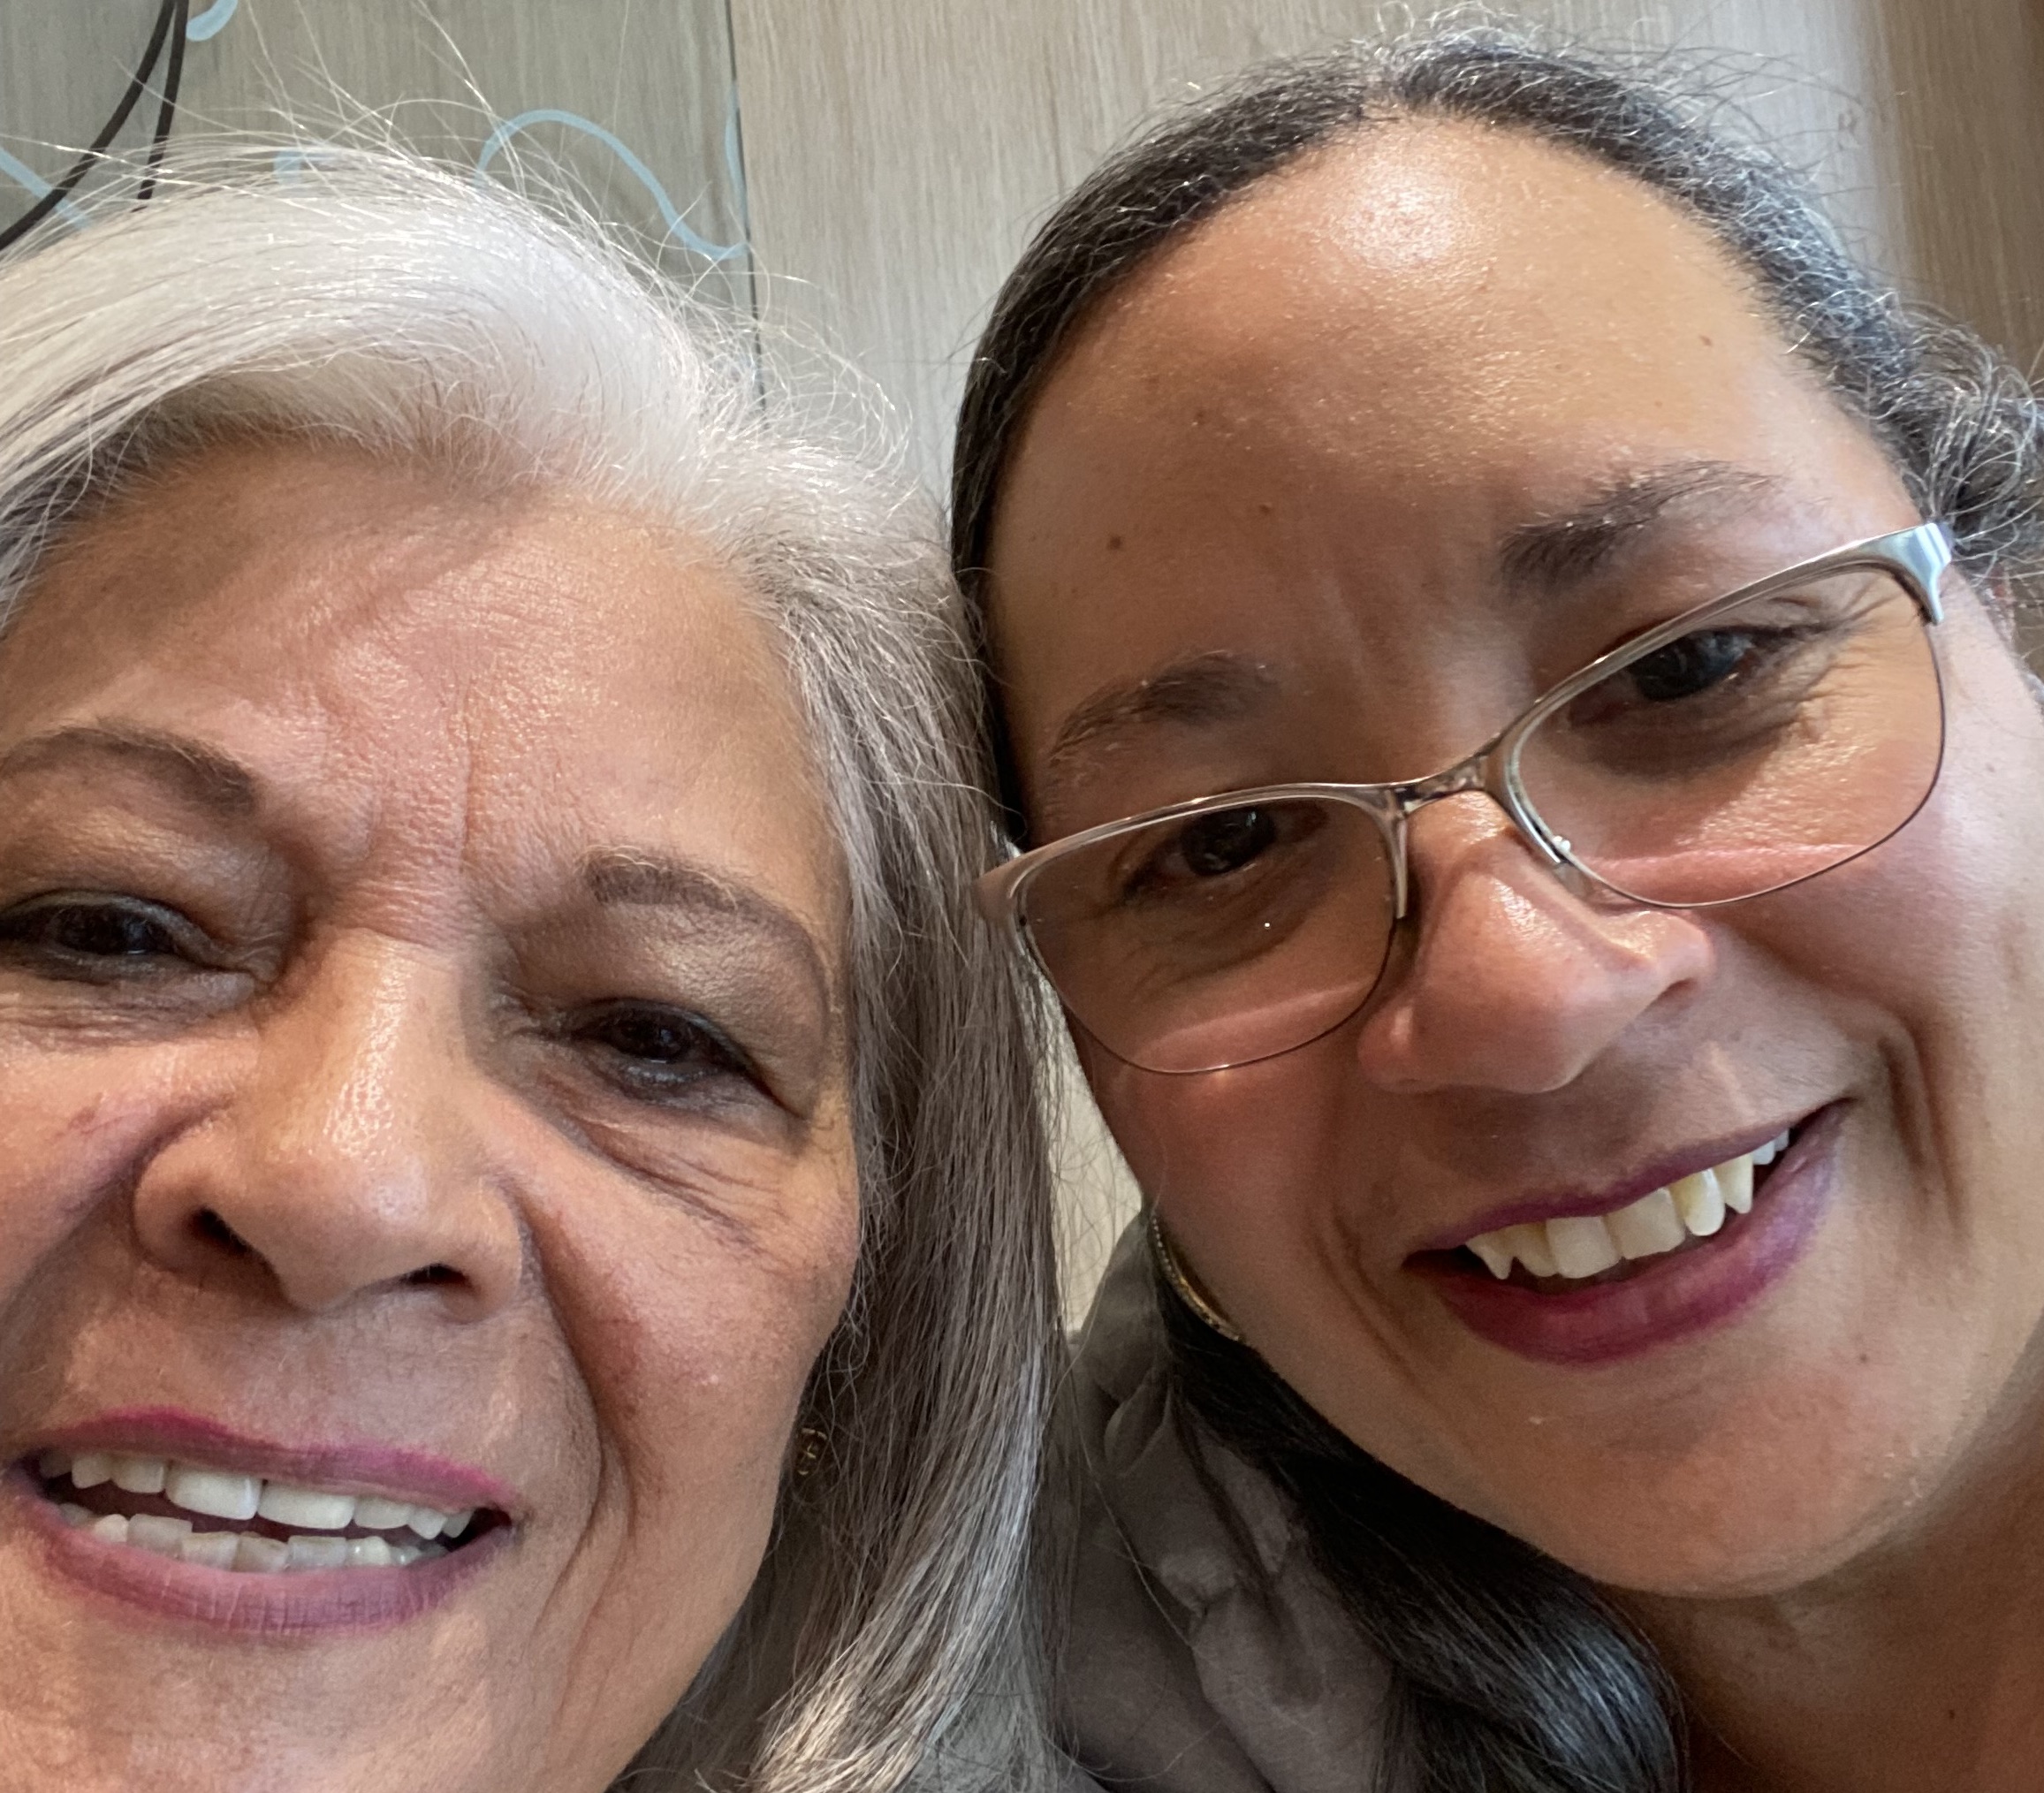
{"type": "Point", "coordinates": [365, 298]}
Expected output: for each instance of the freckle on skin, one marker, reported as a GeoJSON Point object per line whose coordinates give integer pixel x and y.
{"type": "Point", "coordinates": [1114, 542]}
{"type": "Point", "coordinates": [87, 1117]}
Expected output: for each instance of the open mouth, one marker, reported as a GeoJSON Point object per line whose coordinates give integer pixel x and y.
{"type": "Point", "coordinates": [1583, 1251]}
{"type": "Point", "coordinates": [226, 1519]}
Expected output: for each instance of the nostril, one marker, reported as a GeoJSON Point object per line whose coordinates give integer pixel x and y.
{"type": "Point", "coordinates": [210, 1226]}
{"type": "Point", "coordinates": [433, 1274]}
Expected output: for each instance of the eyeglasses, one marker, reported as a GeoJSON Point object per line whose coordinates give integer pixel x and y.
{"type": "Point", "coordinates": [1744, 745]}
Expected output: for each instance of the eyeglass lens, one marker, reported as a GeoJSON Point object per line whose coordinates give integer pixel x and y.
{"type": "Point", "coordinates": [1768, 744]}
{"type": "Point", "coordinates": [1771, 743]}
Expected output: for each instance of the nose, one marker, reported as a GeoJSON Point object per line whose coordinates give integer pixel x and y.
{"type": "Point", "coordinates": [349, 1157]}
{"type": "Point", "coordinates": [1514, 984]}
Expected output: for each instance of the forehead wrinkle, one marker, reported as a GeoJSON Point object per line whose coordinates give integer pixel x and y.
{"type": "Point", "coordinates": [1553, 553]}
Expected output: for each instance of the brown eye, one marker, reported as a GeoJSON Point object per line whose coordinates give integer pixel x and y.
{"type": "Point", "coordinates": [117, 933]}
{"type": "Point", "coordinates": [661, 1049]}
{"type": "Point", "coordinates": [1691, 666]}
{"type": "Point", "coordinates": [1216, 845]}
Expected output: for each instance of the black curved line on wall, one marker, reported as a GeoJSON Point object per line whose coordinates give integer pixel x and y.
{"type": "Point", "coordinates": [169, 28]}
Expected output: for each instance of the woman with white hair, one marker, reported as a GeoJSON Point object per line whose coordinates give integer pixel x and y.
{"type": "Point", "coordinates": [525, 1250]}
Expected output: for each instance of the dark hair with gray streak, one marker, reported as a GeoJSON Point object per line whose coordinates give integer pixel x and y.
{"type": "Point", "coordinates": [1508, 1671]}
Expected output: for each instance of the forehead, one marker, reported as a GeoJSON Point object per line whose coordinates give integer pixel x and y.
{"type": "Point", "coordinates": [432, 664]}
{"type": "Point", "coordinates": [1415, 278]}
{"type": "Point", "coordinates": [1305, 427]}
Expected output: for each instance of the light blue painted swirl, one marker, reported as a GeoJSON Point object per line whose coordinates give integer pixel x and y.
{"type": "Point", "coordinates": [22, 175]}
{"type": "Point", "coordinates": [210, 23]}
{"type": "Point", "coordinates": [677, 225]}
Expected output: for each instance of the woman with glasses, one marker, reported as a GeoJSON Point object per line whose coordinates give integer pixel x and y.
{"type": "Point", "coordinates": [1503, 648]}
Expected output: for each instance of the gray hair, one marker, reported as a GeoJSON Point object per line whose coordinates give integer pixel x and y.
{"type": "Point", "coordinates": [1508, 1670]}
{"type": "Point", "coordinates": [362, 298]}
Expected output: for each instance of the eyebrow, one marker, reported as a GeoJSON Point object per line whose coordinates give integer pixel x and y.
{"type": "Point", "coordinates": [1202, 689]}
{"type": "Point", "coordinates": [211, 779]}
{"type": "Point", "coordinates": [626, 877]}
{"type": "Point", "coordinates": [1560, 551]}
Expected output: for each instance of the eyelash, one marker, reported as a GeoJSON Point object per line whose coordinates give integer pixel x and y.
{"type": "Point", "coordinates": [654, 1052]}
{"type": "Point", "coordinates": [703, 1053]}
{"type": "Point", "coordinates": [36, 928]}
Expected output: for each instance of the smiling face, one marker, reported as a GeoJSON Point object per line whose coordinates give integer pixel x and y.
{"type": "Point", "coordinates": [425, 1089]}
{"type": "Point", "coordinates": [1333, 489]}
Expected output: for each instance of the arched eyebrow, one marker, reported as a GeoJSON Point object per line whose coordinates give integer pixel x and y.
{"type": "Point", "coordinates": [1207, 688]}
{"type": "Point", "coordinates": [1556, 552]}
{"type": "Point", "coordinates": [209, 778]}
{"type": "Point", "coordinates": [627, 877]}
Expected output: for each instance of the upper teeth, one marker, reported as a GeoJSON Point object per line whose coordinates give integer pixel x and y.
{"type": "Point", "coordinates": [1584, 1245]}
{"type": "Point", "coordinates": [224, 1494]}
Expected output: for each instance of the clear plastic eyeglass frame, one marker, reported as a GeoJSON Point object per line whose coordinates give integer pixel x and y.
{"type": "Point", "coordinates": [1918, 556]}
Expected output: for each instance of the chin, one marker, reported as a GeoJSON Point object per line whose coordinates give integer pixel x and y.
{"type": "Point", "coordinates": [1738, 1525]}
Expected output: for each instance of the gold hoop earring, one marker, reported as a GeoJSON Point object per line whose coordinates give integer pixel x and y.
{"type": "Point", "coordinates": [1184, 1288]}
{"type": "Point", "coordinates": [810, 1444]}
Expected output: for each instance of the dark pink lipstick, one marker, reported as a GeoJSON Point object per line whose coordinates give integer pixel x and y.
{"type": "Point", "coordinates": [1662, 1299]}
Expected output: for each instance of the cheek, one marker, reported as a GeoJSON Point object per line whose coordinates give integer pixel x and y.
{"type": "Point", "coordinates": [1231, 1156]}
{"type": "Point", "coordinates": [695, 1336]}
{"type": "Point", "coordinates": [76, 1124]}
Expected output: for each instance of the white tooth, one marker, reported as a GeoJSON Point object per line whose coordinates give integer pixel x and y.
{"type": "Point", "coordinates": [458, 1522]}
{"type": "Point", "coordinates": [429, 1552]}
{"type": "Point", "coordinates": [111, 1528]}
{"type": "Point", "coordinates": [369, 1552]}
{"type": "Point", "coordinates": [1528, 1243]}
{"type": "Point", "coordinates": [255, 1554]}
{"type": "Point", "coordinates": [1701, 1205]}
{"type": "Point", "coordinates": [89, 1469]}
{"type": "Point", "coordinates": [1772, 1150]}
{"type": "Point", "coordinates": [1495, 1253]}
{"type": "Point", "coordinates": [140, 1475]}
{"type": "Point", "coordinates": [405, 1554]}
{"type": "Point", "coordinates": [154, 1532]}
{"type": "Point", "coordinates": [74, 1515]}
{"type": "Point", "coordinates": [211, 1549]}
{"type": "Point", "coordinates": [308, 1506]}
{"type": "Point", "coordinates": [379, 1514]}
{"type": "Point", "coordinates": [318, 1553]}
{"type": "Point", "coordinates": [51, 1464]}
{"type": "Point", "coordinates": [215, 1493]}
{"type": "Point", "coordinates": [1735, 1183]}
{"type": "Point", "coordinates": [1649, 1226]}
{"type": "Point", "coordinates": [427, 1522]}
{"type": "Point", "coordinates": [1582, 1245]}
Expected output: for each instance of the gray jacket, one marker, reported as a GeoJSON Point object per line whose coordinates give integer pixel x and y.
{"type": "Point", "coordinates": [1206, 1654]}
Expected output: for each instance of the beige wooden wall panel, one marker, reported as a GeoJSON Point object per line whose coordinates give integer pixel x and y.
{"type": "Point", "coordinates": [1962, 86]}
{"type": "Point", "coordinates": [898, 151]}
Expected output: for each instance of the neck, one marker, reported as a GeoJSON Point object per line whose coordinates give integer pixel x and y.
{"type": "Point", "coordinates": [1917, 1667]}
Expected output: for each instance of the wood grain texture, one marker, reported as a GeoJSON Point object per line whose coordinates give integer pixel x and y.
{"type": "Point", "coordinates": [898, 151]}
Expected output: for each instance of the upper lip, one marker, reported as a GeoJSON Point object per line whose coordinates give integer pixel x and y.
{"type": "Point", "coordinates": [1568, 1204]}
{"type": "Point", "coordinates": [393, 1471]}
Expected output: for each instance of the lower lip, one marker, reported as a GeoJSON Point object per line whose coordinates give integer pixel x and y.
{"type": "Point", "coordinates": [1692, 1292]}
{"type": "Point", "coordinates": [291, 1603]}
